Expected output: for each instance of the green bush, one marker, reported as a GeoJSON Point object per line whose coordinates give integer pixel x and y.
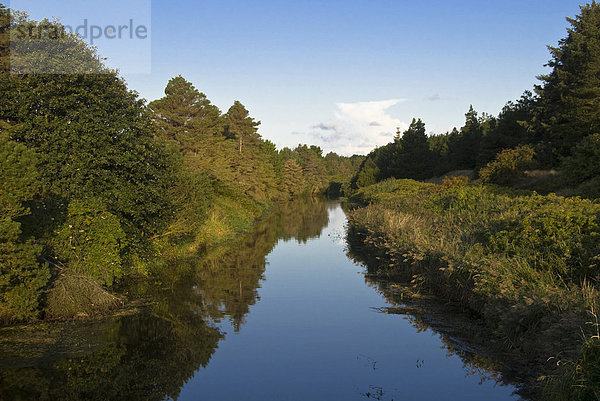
{"type": "Point", "coordinates": [584, 162]}
{"type": "Point", "coordinates": [554, 234]}
{"type": "Point", "coordinates": [509, 165]}
{"type": "Point", "coordinates": [22, 278]}
{"type": "Point", "coordinates": [90, 242]}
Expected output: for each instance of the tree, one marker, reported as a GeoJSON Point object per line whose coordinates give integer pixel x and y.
{"type": "Point", "coordinates": [186, 117]}
{"type": "Point", "coordinates": [463, 146]}
{"type": "Point", "coordinates": [293, 182]}
{"type": "Point", "coordinates": [413, 159]}
{"type": "Point", "coordinates": [92, 135]}
{"type": "Point", "coordinates": [313, 168]}
{"type": "Point", "coordinates": [509, 129]}
{"type": "Point", "coordinates": [240, 126]}
{"type": "Point", "coordinates": [21, 277]}
{"type": "Point", "coordinates": [569, 107]}
{"type": "Point", "coordinates": [368, 174]}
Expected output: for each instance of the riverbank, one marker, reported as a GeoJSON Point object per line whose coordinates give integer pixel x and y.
{"type": "Point", "coordinates": [523, 264]}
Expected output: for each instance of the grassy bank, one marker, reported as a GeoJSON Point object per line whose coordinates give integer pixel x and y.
{"type": "Point", "coordinates": [526, 264]}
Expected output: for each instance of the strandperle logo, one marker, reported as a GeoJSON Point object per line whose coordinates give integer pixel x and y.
{"type": "Point", "coordinates": [86, 31]}
{"type": "Point", "coordinates": [120, 32]}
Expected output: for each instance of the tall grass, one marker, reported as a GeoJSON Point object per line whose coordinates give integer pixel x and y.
{"type": "Point", "coordinates": [527, 264]}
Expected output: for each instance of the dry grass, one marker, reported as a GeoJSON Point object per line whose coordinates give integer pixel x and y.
{"type": "Point", "coordinates": [78, 296]}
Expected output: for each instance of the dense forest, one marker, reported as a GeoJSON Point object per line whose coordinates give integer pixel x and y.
{"type": "Point", "coordinates": [507, 222]}
{"type": "Point", "coordinates": [98, 185]}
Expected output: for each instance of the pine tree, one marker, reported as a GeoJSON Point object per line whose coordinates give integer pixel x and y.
{"type": "Point", "coordinates": [413, 159]}
{"type": "Point", "coordinates": [186, 117]}
{"type": "Point", "coordinates": [293, 180]}
{"type": "Point", "coordinates": [569, 107]}
{"type": "Point", "coordinates": [240, 126]}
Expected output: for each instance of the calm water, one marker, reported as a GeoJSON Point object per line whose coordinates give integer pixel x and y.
{"type": "Point", "coordinates": [282, 314]}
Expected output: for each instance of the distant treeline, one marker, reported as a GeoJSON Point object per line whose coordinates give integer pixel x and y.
{"type": "Point", "coordinates": [557, 126]}
{"type": "Point", "coordinates": [95, 184]}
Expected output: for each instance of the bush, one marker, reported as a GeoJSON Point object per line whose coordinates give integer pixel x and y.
{"type": "Point", "coordinates": [21, 277]}
{"type": "Point", "coordinates": [90, 241]}
{"type": "Point", "coordinates": [508, 166]}
{"type": "Point", "coordinates": [584, 163]}
{"type": "Point", "coordinates": [564, 232]}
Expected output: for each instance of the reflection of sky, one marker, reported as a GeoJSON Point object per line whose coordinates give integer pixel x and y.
{"type": "Point", "coordinates": [314, 336]}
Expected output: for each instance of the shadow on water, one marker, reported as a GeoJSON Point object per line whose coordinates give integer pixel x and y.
{"type": "Point", "coordinates": [151, 353]}
{"type": "Point", "coordinates": [460, 333]}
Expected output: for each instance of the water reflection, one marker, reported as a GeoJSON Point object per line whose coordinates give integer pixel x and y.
{"type": "Point", "coordinates": [151, 354]}
{"type": "Point", "coordinates": [459, 333]}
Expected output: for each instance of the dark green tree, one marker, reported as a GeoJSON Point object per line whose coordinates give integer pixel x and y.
{"type": "Point", "coordinates": [569, 107]}
{"type": "Point", "coordinates": [21, 277]}
{"type": "Point", "coordinates": [413, 158]}
{"type": "Point", "coordinates": [464, 147]}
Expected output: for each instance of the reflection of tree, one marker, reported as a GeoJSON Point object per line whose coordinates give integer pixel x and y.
{"type": "Point", "coordinates": [302, 219]}
{"type": "Point", "coordinates": [150, 355]}
{"type": "Point", "coordinates": [230, 276]}
{"type": "Point", "coordinates": [139, 357]}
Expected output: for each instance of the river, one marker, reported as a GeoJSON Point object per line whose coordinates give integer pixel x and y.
{"type": "Point", "coordinates": [283, 313]}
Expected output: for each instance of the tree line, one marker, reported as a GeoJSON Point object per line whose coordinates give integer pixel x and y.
{"type": "Point", "coordinates": [555, 126]}
{"type": "Point", "coordinates": [96, 184]}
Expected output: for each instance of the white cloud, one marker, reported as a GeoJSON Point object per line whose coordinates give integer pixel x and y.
{"type": "Point", "coordinates": [358, 127]}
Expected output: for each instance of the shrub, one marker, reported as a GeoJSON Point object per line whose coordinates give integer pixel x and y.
{"type": "Point", "coordinates": [564, 232]}
{"type": "Point", "coordinates": [21, 277]}
{"type": "Point", "coordinates": [509, 165]}
{"type": "Point", "coordinates": [90, 241]}
{"type": "Point", "coordinates": [584, 163]}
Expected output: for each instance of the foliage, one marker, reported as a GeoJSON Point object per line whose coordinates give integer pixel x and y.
{"type": "Point", "coordinates": [565, 232]}
{"type": "Point", "coordinates": [412, 157]}
{"type": "Point", "coordinates": [240, 126]}
{"type": "Point", "coordinates": [92, 136]}
{"type": "Point", "coordinates": [569, 106]}
{"type": "Point", "coordinates": [185, 116]}
{"type": "Point", "coordinates": [584, 162]}
{"type": "Point", "coordinates": [91, 241]}
{"type": "Point", "coordinates": [508, 165]}
{"type": "Point", "coordinates": [22, 278]}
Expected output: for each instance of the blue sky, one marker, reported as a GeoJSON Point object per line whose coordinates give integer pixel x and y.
{"type": "Point", "coordinates": [343, 74]}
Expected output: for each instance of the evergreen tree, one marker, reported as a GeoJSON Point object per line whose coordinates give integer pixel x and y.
{"type": "Point", "coordinates": [368, 174]}
{"type": "Point", "coordinates": [509, 129]}
{"type": "Point", "coordinates": [240, 126]}
{"type": "Point", "coordinates": [186, 117]}
{"type": "Point", "coordinates": [413, 159]}
{"type": "Point", "coordinates": [464, 146]}
{"type": "Point", "coordinates": [313, 168]}
{"type": "Point", "coordinates": [293, 182]}
{"type": "Point", "coordinates": [569, 107]}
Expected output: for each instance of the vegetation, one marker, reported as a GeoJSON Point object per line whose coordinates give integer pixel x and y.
{"type": "Point", "coordinates": [98, 186]}
{"type": "Point", "coordinates": [525, 263]}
